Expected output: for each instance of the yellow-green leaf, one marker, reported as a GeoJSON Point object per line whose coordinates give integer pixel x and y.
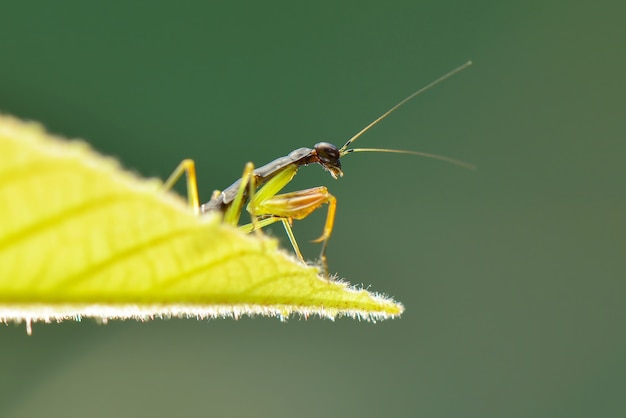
{"type": "Point", "coordinates": [79, 236]}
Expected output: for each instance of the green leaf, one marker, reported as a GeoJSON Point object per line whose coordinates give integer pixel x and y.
{"type": "Point", "coordinates": [80, 237]}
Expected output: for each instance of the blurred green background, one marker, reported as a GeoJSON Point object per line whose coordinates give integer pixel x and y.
{"type": "Point", "coordinates": [513, 276]}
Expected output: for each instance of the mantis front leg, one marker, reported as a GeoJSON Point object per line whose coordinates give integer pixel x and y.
{"type": "Point", "coordinates": [269, 207]}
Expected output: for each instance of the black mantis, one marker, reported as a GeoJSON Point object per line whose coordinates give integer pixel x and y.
{"type": "Point", "coordinates": [260, 187]}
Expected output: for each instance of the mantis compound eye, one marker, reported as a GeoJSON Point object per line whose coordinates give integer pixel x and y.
{"type": "Point", "coordinates": [328, 157]}
{"type": "Point", "coordinates": [328, 153]}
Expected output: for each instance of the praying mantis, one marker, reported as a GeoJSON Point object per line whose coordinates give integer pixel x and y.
{"type": "Point", "coordinates": [260, 187]}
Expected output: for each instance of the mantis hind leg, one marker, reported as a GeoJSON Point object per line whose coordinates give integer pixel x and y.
{"type": "Point", "coordinates": [186, 167]}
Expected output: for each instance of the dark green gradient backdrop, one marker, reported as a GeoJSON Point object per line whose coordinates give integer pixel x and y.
{"type": "Point", "coordinates": [513, 276]}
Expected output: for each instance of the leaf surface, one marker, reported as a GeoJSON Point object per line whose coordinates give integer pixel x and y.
{"type": "Point", "coordinates": [79, 236]}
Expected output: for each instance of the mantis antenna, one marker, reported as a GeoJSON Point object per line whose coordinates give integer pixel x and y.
{"type": "Point", "coordinates": [344, 149]}
{"type": "Point", "coordinates": [421, 154]}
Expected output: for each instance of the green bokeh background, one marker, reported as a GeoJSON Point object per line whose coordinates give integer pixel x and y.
{"type": "Point", "coordinates": [513, 276]}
